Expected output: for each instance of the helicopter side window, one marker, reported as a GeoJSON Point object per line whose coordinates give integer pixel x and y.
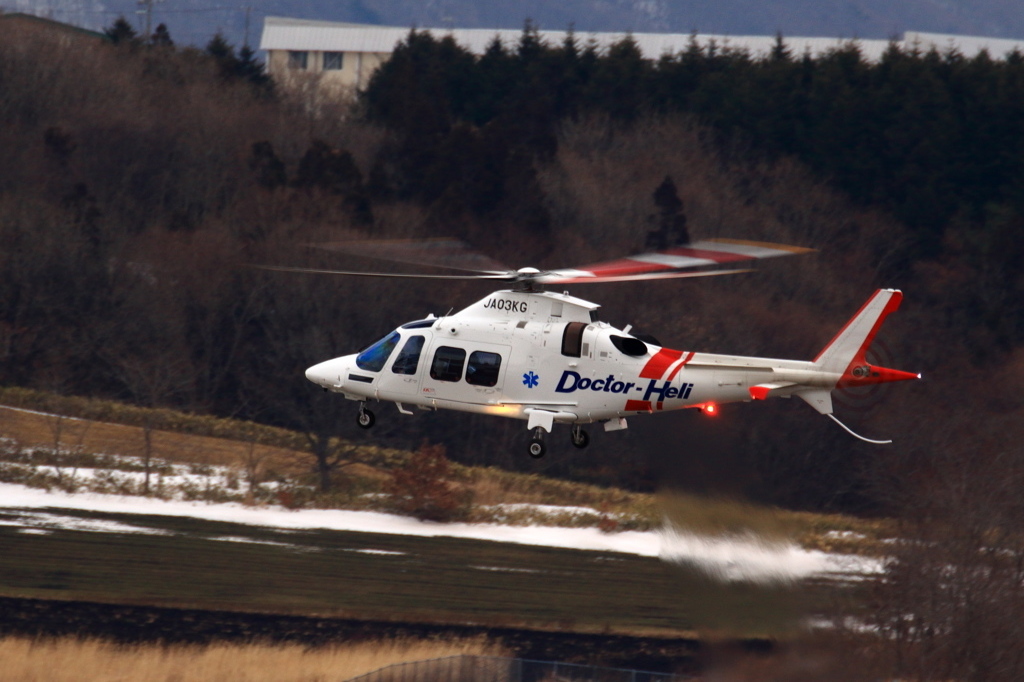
{"type": "Point", "coordinates": [483, 368]}
{"type": "Point", "coordinates": [447, 365]}
{"type": "Point", "coordinates": [373, 358]}
{"type": "Point", "coordinates": [409, 357]}
{"type": "Point", "coordinates": [572, 339]}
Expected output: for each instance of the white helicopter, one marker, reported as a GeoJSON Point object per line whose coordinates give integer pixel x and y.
{"type": "Point", "coordinates": [546, 358]}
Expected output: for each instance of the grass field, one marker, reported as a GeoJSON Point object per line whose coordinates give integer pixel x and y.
{"type": "Point", "coordinates": [93, 660]}
{"type": "Point", "coordinates": [493, 491]}
{"type": "Point", "coordinates": [187, 562]}
{"type": "Point", "coordinates": [208, 565]}
{"type": "Point", "coordinates": [83, 444]}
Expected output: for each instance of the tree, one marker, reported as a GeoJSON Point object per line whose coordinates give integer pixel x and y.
{"type": "Point", "coordinates": [335, 171]}
{"type": "Point", "coordinates": [121, 32]}
{"type": "Point", "coordinates": [670, 221]}
{"type": "Point", "coordinates": [161, 37]}
{"type": "Point", "coordinates": [223, 54]}
{"type": "Point", "coordinates": [268, 169]}
{"type": "Point", "coordinates": [949, 603]}
{"type": "Point", "coordinates": [300, 320]}
{"type": "Point", "coordinates": [252, 70]}
{"type": "Point", "coordinates": [620, 81]}
{"type": "Point", "coordinates": [423, 487]}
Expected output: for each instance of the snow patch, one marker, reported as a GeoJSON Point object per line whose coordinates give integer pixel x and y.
{"type": "Point", "coordinates": [727, 558]}
{"type": "Point", "coordinates": [753, 559]}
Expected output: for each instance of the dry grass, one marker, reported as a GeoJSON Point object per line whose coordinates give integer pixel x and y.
{"type": "Point", "coordinates": [93, 660]}
{"type": "Point", "coordinates": [489, 486]}
{"type": "Point", "coordinates": [31, 428]}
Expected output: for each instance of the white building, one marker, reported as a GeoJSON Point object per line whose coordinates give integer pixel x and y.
{"type": "Point", "coordinates": [346, 55]}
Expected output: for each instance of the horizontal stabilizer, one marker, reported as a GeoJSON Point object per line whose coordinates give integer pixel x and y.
{"type": "Point", "coordinates": [765, 391]}
{"type": "Point", "coordinates": [819, 398]}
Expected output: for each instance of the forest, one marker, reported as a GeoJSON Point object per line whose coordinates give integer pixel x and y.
{"type": "Point", "coordinates": [140, 183]}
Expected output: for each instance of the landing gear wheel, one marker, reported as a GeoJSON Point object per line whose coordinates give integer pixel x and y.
{"type": "Point", "coordinates": [580, 438]}
{"type": "Point", "coordinates": [537, 447]}
{"type": "Point", "coordinates": [365, 418]}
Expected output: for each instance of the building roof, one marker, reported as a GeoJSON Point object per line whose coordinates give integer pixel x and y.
{"type": "Point", "coordinates": [281, 33]}
{"type": "Point", "coordinates": [14, 18]}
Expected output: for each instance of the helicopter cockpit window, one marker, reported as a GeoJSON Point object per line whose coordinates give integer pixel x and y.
{"type": "Point", "coordinates": [572, 339]}
{"type": "Point", "coordinates": [447, 365]}
{"type": "Point", "coordinates": [628, 345]}
{"type": "Point", "coordinates": [373, 358]}
{"type": "Point", "coordinates": [483, 368]}
{"type": "Point", "coordinates": [409, 357]}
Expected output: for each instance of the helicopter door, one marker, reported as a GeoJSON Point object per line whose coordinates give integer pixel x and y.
{"type": "Point", "coordinates": [401, 380]}
{"type": "Point", "coordinates": [465, 372]}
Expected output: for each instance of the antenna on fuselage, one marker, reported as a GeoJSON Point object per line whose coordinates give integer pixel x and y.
{"type": "Point", "coordinates": [854, 434]}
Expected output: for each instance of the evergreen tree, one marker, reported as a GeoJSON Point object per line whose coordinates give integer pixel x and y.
{"type": "Point", "coordinates": [334, 171]}
{"type": "Point", "coordinates": [620, 80]}
{"type": "Point", "coordinates": [161, 37]}
{"type": "Point", "coordinates": [498, 73]}
{"type": "Point", "coordinates": [121, 32]}
{"type": "Point", "coordinates": [780, 51]}
{"type": "Point", "coordinates": [530, 46]}
{"type": "Point", "coordinates": [223, 54]}
{"type": "Point", "coordinates": [269, 170]}
{"type": "Point", "coordinates": [253, 71]}
{"type": "Point", "coordinates": [669, 221]}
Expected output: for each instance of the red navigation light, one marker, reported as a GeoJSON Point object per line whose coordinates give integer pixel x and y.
{"type": "Point", "coordinates": [710, 409]}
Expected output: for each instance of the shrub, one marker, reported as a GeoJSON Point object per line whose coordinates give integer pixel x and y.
{"type": "Point", "coordinates": [423, 487]}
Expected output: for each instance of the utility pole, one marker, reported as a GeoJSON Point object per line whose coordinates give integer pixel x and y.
{"type": "Point", "coordinates": [148, 11]}
{"type": "Point", "coordinates": [248, 11]}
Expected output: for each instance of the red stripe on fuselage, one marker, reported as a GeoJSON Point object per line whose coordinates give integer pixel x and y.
{"type": "Point", "coordinates": [680, 366]}
{"type": "Point", "coordinates": [638, 406]}
{"type": "Point", "coordinates": [661, 361]}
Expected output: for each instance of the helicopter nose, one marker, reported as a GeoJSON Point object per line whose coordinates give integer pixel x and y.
{"type": "Point", "coordinates": [327, 374]}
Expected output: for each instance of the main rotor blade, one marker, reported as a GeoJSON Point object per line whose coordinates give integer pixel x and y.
{"type": "Point", "coordinates": [505, 277]}
{"type": "Point", "coordinates": [675, 262]}
{"type": "Point", "coordinates": [686, 256]}
{"type": "Point", "coordinates": [556, 277]}
{"type": "Point", "coordinates": [442, 252]}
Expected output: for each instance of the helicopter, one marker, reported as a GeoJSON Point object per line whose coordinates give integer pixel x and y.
{"type": "Point", "coordinates": [546, 358]}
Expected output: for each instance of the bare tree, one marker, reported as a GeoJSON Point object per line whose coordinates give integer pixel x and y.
{"type": "Point", "coordinates": [950, 601]}
{"type": "Point", "coordinates": [67, 456]}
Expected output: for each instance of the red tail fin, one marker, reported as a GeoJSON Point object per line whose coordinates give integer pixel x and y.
{"type": "Point", "coordinates": [846, 353]}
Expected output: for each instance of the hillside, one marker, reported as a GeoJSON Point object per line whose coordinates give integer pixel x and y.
{"type": "Point", "coordinates": [65, 452]}
{"type": "Point", "coordinates": [139, 183]}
